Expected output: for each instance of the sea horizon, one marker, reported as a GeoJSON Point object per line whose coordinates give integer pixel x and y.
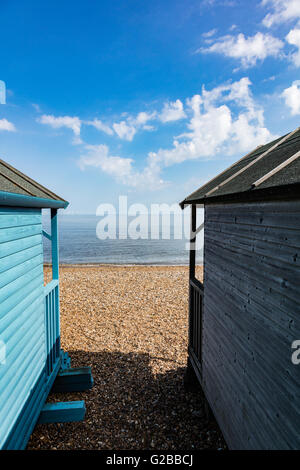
{"type": "Point", "coordinates": [79, 245]}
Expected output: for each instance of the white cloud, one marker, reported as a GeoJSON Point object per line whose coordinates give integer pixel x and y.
{"type": "Point", "coordinates": [100, 126]}
{"type": "Point", "coordinates": [247, 50]}
{"type": "Point", "coordinates": [222, 121]}
{"type": "Point", "coordinates": [214, 128]}
{"type": "Point", "coordinates": [172, 111]}
{"type": "Point", "coordinates": [282, 11]}
{"type": "Point", "coordinates": [291, 96]}
{"type": "Point", "coordinates": [98, 156]}
{"type": "Point", "coordinates": [127, 129]}
{"type": "Point", "coordinates": [73, 123]}
{"type": "Point", "coordinates": [210, 33]}
{"type": "Point", "coordinates": [120, 168]}
{"type": "Point", "coordinates": [293, 38]}
{"type": "Point", "coordinates": [124, 130]}
{"type": "Point", "coordinates": [5, 125]}
{"type": "Point", "coordinates": [143, 117]}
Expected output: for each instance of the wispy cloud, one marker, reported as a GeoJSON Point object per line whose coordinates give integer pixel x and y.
{"type": "Point", "coordinates": [100, 126]}
{"type": "Point", "coordinates": [247, 50]}
{"type": "Point", "coordinates": [125, 129]}
{"type": "Point", "coordinates": [72, 123]}
{"type": "Point", "coordinates": [210, 33]}
{"type": "Point", "coordinates": [36, 107]}
{"type": "Point", "coordinates": [282, 11]}
{"type": "Point", "coordinates": [5, 125]}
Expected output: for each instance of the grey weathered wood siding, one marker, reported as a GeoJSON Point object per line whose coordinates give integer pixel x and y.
{"type": "Point", "coordinates": [251, 316]}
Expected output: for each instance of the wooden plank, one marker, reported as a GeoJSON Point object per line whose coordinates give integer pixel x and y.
{"type": "Point", "coordinates": [15, 233]}
{"type": "Point", "coordinates": [45, 234]}
{"type": "Point", "coordinates": [275, 251]}
{"type": "Point", "coordinates": [19, 220]}
{"type": "Point", "coordinates": [19, 270]}
{"type": "Point", "coordinates": [12, 302]}
{"type": "Point", "coordinates": [251, 314]}
{"type": "Point", "coordinates": [290, 237]}
{"type": "Point", "coordinates": [50, 286]}
{"type": "Point", "coordinates": [73, 380]}
{"type": "Point", "coordinates": [260, 271]}
{"type": "Point", "coordinates": [17, 246]}
{"type": "Point", "coordinates": [197, 285]}
{"type": "Point", "coordinates": [62, 412]}
{"type": "Point", "coordinates": [276, 169]}
{"type": "Point", "coordinates": [18, 258]}
{"type": "Point", "coordinates": [272, 207]}
{"type": "Point", "coordinates": [12, 287]}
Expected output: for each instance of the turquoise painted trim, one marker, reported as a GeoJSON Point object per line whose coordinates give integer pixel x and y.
{"type": "Point", "coordinates": [62, 412]}
{"type": "Point", "coordinates": [54, 245]}
{"type": "Point", "coordinates": [78, 379]}
{"type": "Point", "coordinates": [19, 200]}
{"type": "Point", "coordinates": [65, 360]}
{"type": "Point", "coordinates": [45, 234]}
{"type": "Point", "coordinates": [50, 286]}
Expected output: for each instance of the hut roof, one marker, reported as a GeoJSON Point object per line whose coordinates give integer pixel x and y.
{"type": "Point", "coordinates": [17, 188]}
{"type": "Point", "coordinates": [269, 170]}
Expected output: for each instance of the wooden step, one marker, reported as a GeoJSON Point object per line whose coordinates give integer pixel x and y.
{"type": "Point", "coordinates": [62, 412]}
{"type": "Point", "coordinates": [76, 379]}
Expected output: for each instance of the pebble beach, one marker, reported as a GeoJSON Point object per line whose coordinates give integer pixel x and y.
{"type": "Point", "coordinates": [130, 324]}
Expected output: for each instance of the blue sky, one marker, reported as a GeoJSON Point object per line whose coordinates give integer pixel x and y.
{"type": "Point", "coordinates": [148, 99]}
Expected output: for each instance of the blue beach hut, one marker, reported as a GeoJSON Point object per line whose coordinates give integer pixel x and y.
{"type": "Point", "coordinates": [31, 360]}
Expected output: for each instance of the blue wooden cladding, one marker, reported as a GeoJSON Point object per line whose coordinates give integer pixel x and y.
{"type": "Point", "coordinates": [31, 357]}
{"type": "Point", "coordinates": [22, 326]}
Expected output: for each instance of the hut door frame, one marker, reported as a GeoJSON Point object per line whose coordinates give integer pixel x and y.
{"type": "Point", "coordinates": [51, 302]}
{"type": "Point", "coordinates": [196, 296]}
{"type": "Point", "coordinates": [53, 237]}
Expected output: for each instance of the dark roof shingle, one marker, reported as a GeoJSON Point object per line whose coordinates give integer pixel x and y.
{"type": "Point", "coordinates": [15, 182]}
{"type": "Point", "coordinates": [239, 178]}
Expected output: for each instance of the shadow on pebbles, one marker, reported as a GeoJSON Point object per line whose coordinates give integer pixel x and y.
{"type": "Point", "coordinates": [130, 325]}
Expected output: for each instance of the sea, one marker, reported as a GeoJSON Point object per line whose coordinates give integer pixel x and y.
{"type": "Point", "coordinates": [79, 244]}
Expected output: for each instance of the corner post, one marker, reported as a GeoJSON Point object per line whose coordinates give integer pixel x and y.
{"type": "Point", "coordinates": [192, 268]}
{"type": "Point", "coordinates": [190, 378]}
{"type": "Point", "coordinates": [55, 276]}
{"type": "Point", "coordinates": [193, 241]}
{"type": "Point", "coordinates": [54, 237]}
